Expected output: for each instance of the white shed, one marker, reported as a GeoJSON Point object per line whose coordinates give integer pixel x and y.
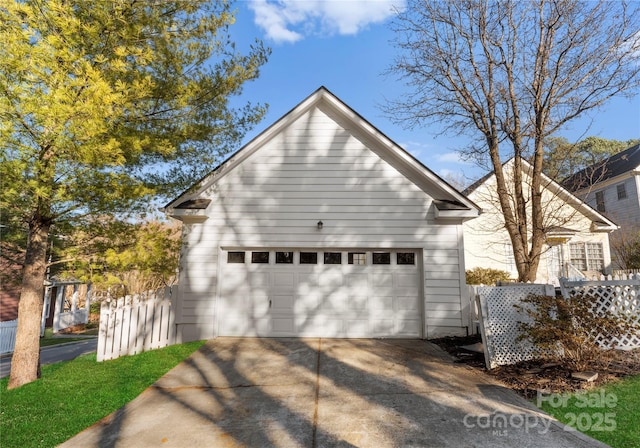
{"type": "Point", "coordinates": [322, 226]}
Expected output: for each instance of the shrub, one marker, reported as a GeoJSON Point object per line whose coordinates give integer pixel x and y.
{"type": "Point", "coordinates": [571, 330]}
{"type": "Point", "coordinates": [486, 276]}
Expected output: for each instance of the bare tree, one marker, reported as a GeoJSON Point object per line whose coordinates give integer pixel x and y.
{"type": "Point", "coordinates": [511, 74]}
{"type": "Point", "coordinates": [625, 248]}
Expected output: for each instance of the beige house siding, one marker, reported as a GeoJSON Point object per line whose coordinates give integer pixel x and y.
{"type": "Point", "coordinates": [487, 242]}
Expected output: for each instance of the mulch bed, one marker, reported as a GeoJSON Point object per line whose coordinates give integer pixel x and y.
{"type": "Point", "coordinates": [526, 378]}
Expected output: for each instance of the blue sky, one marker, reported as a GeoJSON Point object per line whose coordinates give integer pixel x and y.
{"type": "Point", "coordinates": [346, 46]}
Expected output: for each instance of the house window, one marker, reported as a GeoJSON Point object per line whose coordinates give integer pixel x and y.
{"type": "Point", "coordinates": [578, 256]}
{"type": "Point", "coordinates": [259, 257]}
{"type": "Point", "coordinates": [332, 258]}
{"type": "Point", "coordinates": [357, 258]}
{"type": "Point", "coordinates": [308, 258]}
{"type": "Point", "coordinates": [235, 257]}
{"type": "Point", "coordinates": [284, 257]}
{"type": "Point", "coordinates": [622, 191]}
{"type": "Point", "coordinates": [381, 258]}
{"type": "Point", "coordinates": [587, 256]}
{"type": "Point", "coordinates": [595, 257]}
{"type": "Point", "coordinates": [510, 259]}
{"type": "Point", "coordinates": [600, 201]}
{"type": "Point", "coordinates": [406, 258]}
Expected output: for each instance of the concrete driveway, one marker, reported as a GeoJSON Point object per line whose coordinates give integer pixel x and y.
{"type": "Point", "coordinates": [325, 393]}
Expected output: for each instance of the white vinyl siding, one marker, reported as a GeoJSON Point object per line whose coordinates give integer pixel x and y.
{"type": "Point", "coordinates": [314, 170]}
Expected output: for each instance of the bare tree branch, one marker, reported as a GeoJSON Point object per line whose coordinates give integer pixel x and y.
{"type": "Point", "coordinates": [511, 74]}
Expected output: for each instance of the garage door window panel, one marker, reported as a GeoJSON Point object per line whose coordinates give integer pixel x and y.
{"type": "Point", "coordinates": [260, 257]}
{"type": "Point", "coordinates": [284, 257]}
{"type": "Point", "coordinates": [333, 258]}
{"type": "Point", "coordinates": [381, 258]}
{"type": "Point", "coordinates": [308, 258]}
{"type": "Point", "coordinates": [404, 258]}
{"type": "Point", "coordinates": [235, 257]}
{"type": "Point", "coordinates": [358, 258]}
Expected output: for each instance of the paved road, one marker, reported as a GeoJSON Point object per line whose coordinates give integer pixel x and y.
{"type": "Point", "coordinates": [55, 353]}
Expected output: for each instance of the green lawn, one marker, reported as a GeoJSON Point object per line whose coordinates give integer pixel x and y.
{"type": "Point", "coordinates": [49, 339]}
{"type": "Point", "coordinates": [73, 395]}
{"type": "Point", "coordinates": [610, 414]}
{"type": "Point", "coordinates": [48, 342]}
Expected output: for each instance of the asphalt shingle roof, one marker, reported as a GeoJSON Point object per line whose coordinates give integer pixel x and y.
{"type": "Point", "coordinates": [613, 166]}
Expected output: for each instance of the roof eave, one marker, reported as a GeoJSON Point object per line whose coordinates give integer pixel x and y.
{"type": "Point", "coordinates": [603, 227]}
{"type": "Point", "coordinates": [188, 216]}
{"type": "Point", "coordinates": [455, 215]}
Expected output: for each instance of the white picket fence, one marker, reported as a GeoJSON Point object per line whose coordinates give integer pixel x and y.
{"type": "Point", "coordinates": [132, 325]}
{"type": "Point", "coordinates": [8, 331]}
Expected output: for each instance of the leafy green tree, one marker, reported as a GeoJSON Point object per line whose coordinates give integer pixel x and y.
{"type": "Point", "coordinates": [486, 276]}
{"type": "Point", "coordinates": [120, 258]}
{"type": "Point", "coordinates": [563, 158]}
{"type": "Point", "coordinates": [104, 105]}
{"type": "Point", "coordinates": [511, 74]}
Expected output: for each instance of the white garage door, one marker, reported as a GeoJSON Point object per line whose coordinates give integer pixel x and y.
{"type": "Point", "coordinates": [353, 294]}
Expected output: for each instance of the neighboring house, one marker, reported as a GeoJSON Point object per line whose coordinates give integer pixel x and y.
{"type": "Point", "coordinates": [577, 236]}
{"type": "Point", "coordinates": [612, 187]}
{"type": "Point", "coordinates": [322, 226]}
{"type": "Point", "coordinates": [66, 304]}
{"type": "Point", "coordinates": [11, 260]}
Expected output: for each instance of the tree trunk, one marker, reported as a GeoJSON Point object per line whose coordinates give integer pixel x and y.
{"type": "Point", "coordinates": [25, 364]}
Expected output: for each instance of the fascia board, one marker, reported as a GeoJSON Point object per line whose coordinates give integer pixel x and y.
{"type": "Point", "coordinates": [187, 215]}
{"type": "Point", "coordinates": [458, 214]}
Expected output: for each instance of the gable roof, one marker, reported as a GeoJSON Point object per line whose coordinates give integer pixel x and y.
{"type": "Point", "coordinates": [614, 166]}
{"type": "Point", "coordinates": [412, 168]}
{"type": "Point", "coordinates": [600, 222]}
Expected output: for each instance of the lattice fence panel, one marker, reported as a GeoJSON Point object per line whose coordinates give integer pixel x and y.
{"type": "Point", "coordinates": [499, 322]}
{"type": "Point", "coordinates": [613, 297]}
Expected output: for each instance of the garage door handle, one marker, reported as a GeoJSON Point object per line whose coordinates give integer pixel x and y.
{"type": "Point", "coordinates": [269, 303]}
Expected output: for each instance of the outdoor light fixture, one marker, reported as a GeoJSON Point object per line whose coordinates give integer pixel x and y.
{"type": "Point", "coordinates": [320, 225]}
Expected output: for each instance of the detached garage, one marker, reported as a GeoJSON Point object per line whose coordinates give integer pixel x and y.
{"type": "Point", "coordinates": [322, 227]}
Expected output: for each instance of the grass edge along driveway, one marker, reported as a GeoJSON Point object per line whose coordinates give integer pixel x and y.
{"type": "Point", "coordinates": [610, 414]}
{"type": "Point", "coordinates": [73, 395]}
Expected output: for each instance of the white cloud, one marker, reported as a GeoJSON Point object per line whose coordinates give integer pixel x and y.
{"type": "Point", "coordinates": [447, 173]}
{"type": "Point", "coordinates": [292, 20]}
{"type": "Point", "coordinates": [416, 149]}
{"type": "Point", "coordinates": [450, 157]}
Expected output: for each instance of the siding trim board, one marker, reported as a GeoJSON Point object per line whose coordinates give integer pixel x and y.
{"type": "Point", "coordinates": [322, 162]}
